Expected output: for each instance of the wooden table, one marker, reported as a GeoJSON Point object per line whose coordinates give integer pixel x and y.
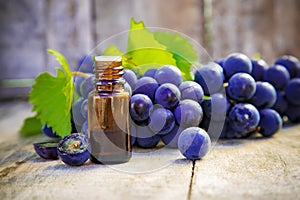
{"type": "Point", "coordinates": [254, 168]}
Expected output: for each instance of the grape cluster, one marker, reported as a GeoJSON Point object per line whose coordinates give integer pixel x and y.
{"type": "Point", "coordinates": [163, 107]}
{"type": "Point", "coordinates": [258, 96]}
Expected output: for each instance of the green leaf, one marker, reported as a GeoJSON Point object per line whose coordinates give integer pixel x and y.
{"type": "Point", "coordinates": [31, 126]}
{"type": "Point", "coordinates": [112, 50]}
{"type": "Point", "coordinates": [182, 50]}
{"type": "Point", "coordinates": [143, 51]}
{"type": "Point", "coordinates": [52, 98]}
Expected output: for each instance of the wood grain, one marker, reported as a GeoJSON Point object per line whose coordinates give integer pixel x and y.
{"type": "Point", "coordinates": [253, 168]}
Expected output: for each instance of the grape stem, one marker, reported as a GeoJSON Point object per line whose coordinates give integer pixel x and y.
{"type": "Point", "coordinates": [76, 73]}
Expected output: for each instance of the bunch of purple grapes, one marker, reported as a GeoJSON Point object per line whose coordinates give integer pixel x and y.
{"type": "Point", "coordinates": [162, 105]}
{"type": "Point", "coordinates": [259, 96]}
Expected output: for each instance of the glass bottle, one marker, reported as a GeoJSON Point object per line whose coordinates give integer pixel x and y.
{"type": "Point", "coordinates": [108, 113]}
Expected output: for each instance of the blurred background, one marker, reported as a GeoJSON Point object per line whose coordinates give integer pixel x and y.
{"type": "Point", "coordinates": [74, 27]}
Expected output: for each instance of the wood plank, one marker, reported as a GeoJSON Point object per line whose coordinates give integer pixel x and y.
{"type": "Point", "coordinates": [161, 174]}
{"type": "Point", "coordinates": [256, 168]}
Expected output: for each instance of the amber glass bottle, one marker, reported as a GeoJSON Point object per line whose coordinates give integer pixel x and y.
{"type": "Point", "coordinates": [108, 113]}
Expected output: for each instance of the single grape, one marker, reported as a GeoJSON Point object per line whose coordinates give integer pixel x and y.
{"type": "Point", "coordinates": [128, 88]}
{"type": "Point", "coordinates": [167, 95]}
{"type": "Point", "coordinates": [46, 150]}
{"type": "Point", "coordinates": [243, 118]}
{"type": "Point", "coordinates": [87, 86]}
{"type": "Point", "coordinates": [140, 107]}
{"type": "Point", "coordinates": [84, 108]}
{"type": "Point", "coordinates": [235, 63]}
{"type": "Point", "coordinates": [191, 90]}
{"type": "Point", "coordinates": [130, 77]}
{"type": "Point", "coordinates": [147, 86]}
{"type": "Point", "coordinates": [74, 149]}
{"type": "Point", "coordinates": [86, 64]}
{"type": "Point", "coordinates": [220, 62]}
{"type": "Point", "coordinates": [216, 107]}
{"type": "Point", "coordinates": [210, 77]}
{"type": "Point", "coordinates": [270, 122]}
{"type": "Point", "coordinates": [133, 134]}
{"type": "Point", "coordinates": [168, 74]}
{"type": "Point", "coordinates": [150, 72]}
{"type": "Point", "coordinates": [77, 114]}
{"type": "Point", "coordinates": [292, 92]}
{"type": "Point", "coordinates": [264, 96]}
{"type": "Point", "coordinates": [241, 87]}
{"type": "Point", "coordinates": [291, 63]}
{"type": "Point", "coordinates": [171, 139]}
{"type": "Point", "coordinates": [188, 113]}
{"type": "Point", "coordinates": [162, 121]}
{"type": "Point", "coordinates": [194, 143]}
{"type": "Point", "coordinates": [281, 103]}
{"type": "Point", "coordinates": [259, 67]}
{"type": "Point", "coordinates": [146, 138]}
{"type": "Point", "coordinates": [278, 76]}
{"type": "Point", "coordinates": [84, 128]}
{"type": "Point", "coordinates": [77, 82]}
{"type": "Point", "coordinates": [293, 113]}
{"type": "Point", "coordinates": [49, 132]}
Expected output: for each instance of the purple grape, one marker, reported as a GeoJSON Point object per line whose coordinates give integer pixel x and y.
{"type": "Point", "coordinates": [191, 90]}
{"type": "Point", "coordinates": [74, 149]}
{"type": "Point", "coordinates": [133, 134]}
{"type": "Point", "coordinates": [130, 78]}
{"type": "Point", "coordinates": [220, 62]}
{"type": "Point", "coordinates": [167, 95]}
{"type": "Point", "coordinates": [188, 113]}
{"type": "Point", "coordinates": [46, 150]}
{"type": "Point", "coordinates": [84, 108]}
{"type": "Point", "coordinates": [291, 63]}
{"type": "Point", "coordinates": [278, 76]}
{"type": "Point", "coordinates": [146, 138]}
{"type": "Point", "coordinates": [77, 82]}
{"type": "Point", "coordinates": [264, 96]}
{"type": "Point", "coordinates": [258, 69]}
{"type": "Point", "coordinates": [162, 121]}
{"type": "Point", "coordinates": [168, 74]}
{"type": "Point", "coordinates": [216, 107]}
{"type": "Point", "coordinates": [147, 86]}
{"type": "Point", "coordinates": [210, 77]}
{"type": "Point", "coordinates": [241, 87]}
{"type": "Point", "coordinates": [77, 114]}
{"type": "Point", "coordinates": [150, 72]}
{"type": "Point", "coordinates": [87, 86]}
{"type": "Point", "coordinates": [128, 88]}
{"type": "Point", "coordinates": [84, 128]}
{"type": "Point", "coordinates": [293, 113]}
{"type": "Point", "coordinates": [194, 143]}
{"type": "Point", "coordinates": [140, 107]}
{"type": "Point", "coordinates": [49, 132]}
{"type": "Point", "coordinates": [281, 103]}
{"type": "Point", "coordinates": [235, 63]}
{"type": "Point", "coordinates": [292, 92]}
{"type": "Point", "coordinates": [243, 118]}
{"type": "Point", "coordinates": [86, 64]}
{"type": "Point", "coordinates": [270, 122]}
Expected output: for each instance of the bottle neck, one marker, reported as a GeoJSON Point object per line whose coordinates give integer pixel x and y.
{"type": "Point", "coordinates": [108, 76]}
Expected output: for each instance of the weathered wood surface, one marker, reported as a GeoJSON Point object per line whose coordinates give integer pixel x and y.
{"type": "Point", "coordinates": [235, 169]}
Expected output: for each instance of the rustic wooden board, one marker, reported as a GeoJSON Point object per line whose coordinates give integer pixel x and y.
{"type": "Point", "coordinates": [255, 168]}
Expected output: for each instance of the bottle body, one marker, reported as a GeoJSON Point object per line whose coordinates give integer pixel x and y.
{"type": "Point", "coordinates": [109, 122]}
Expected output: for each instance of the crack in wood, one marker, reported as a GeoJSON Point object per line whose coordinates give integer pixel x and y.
{"type": "Point", "coordinates": [191, 181]}
{"type": "Point", "coordinates": [9, 169]}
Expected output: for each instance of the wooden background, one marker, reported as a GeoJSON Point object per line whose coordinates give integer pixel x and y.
{"type": "Point", "coordinates": [74, 27]}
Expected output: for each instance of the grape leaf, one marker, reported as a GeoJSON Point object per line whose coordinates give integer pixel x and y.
{"type": "Point", "coordinates": [52, 97]}
{"type": "Point", "coordinates": [112, 50]}
{"type": "Point", "coordinates": [182, 50]}
{"type": "Point", "coordinates": [143, 51]}
{"type": "Point", "coordinates": [31, 126]}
